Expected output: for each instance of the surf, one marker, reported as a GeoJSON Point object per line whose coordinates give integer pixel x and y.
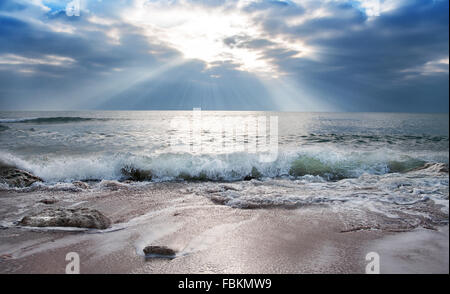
{"type": "Point", "coordinates": [329, 166]}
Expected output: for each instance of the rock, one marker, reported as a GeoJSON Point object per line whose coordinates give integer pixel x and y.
{"type": "Point", "coordinates": [81, 185]}
{"type": "Point", "coordinates": [15, 177]}
{"type": "Point", "coordinates": [48, 201]}
{"type": "Point", "coordinates": [160, 251]}
{"type": "Point", "coordinates": [135, 174]}
{"type": "Point", "coordinates": [63, 217]}
{"type": "Point", "coordinates": [255, 174]}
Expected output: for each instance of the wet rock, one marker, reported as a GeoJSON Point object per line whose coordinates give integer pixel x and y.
{"type": "Point", "coordinates": [135, 174]}
{"type": "Point", "coordinates": [48, 201]}
{"type": "Point", "coordinates": [63, 217]}
{"type": "Point", "coordinates": [15, 177]}
{"type": "Point", "coordinates": [255, 174]}
{"type": "Point", "coordinates": [81, 185]}
{"type": "Point", "coordinates": [159, 251]}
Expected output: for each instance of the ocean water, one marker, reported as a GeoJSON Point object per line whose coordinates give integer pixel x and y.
{"type": "Point", "coordinates": [111, 145]}
{"type": "Point", "coordinates": [380, 170]}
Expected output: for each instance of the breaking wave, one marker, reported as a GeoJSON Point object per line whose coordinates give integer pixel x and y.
{"type": "Point", "coordinates": [328, 165]}
{"type": "Point", "coordinates": [352, 167]}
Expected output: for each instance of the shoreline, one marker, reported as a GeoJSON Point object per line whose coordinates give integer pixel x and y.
{"type": "Point", "coordinates": [208, 237]}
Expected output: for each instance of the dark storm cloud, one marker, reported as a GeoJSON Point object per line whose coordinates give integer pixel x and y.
{"type": "Point", "coordinates": [95, 58]}
{"type": "Point", "coordinates": [371, 64]}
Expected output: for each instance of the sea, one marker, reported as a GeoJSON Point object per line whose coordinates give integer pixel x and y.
{"type": "Point", "coordinates": [287, 159]}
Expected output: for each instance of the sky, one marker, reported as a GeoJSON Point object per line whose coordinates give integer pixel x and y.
{"type": "Point", "coordinates": [291, 55]}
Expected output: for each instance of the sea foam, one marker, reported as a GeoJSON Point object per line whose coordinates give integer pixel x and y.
{"type": "Point", "coordinates": [328, 164]}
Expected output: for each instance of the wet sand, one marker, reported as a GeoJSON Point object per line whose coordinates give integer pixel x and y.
{"type": "Point", "coordinates": [209, 237]}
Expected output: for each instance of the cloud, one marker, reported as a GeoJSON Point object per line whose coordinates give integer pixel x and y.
{"type": "Point", "coordinates": [138, 54]}
{"type": "Point", "coordinates": [53, 60]}
{"type": "Point", "coordinates": [8, 5]}
{"type": "Point", "coordinates": [434, 67]}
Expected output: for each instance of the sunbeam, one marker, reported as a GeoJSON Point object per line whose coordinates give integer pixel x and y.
{"type": "Point", "coordinates": [124, 81]}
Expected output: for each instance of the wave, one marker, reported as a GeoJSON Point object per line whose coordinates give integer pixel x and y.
{"type": "Point", "coordinates": [43, 120]}
{"type": "Point", "coordinates": [361, 139]}
{"type": "Point", "coordinates": [351, 167]}
{"type": "Point", "coordinates": [325, 164]}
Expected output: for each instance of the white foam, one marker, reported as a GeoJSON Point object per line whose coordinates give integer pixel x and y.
{"type": "Point", "coordinates": [228, 167]}
{"type": "Point", "coordinates": [14, 120]}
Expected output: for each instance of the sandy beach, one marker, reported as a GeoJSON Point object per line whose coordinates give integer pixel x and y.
{"type": "Point", "coordinates": [210, 237]}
